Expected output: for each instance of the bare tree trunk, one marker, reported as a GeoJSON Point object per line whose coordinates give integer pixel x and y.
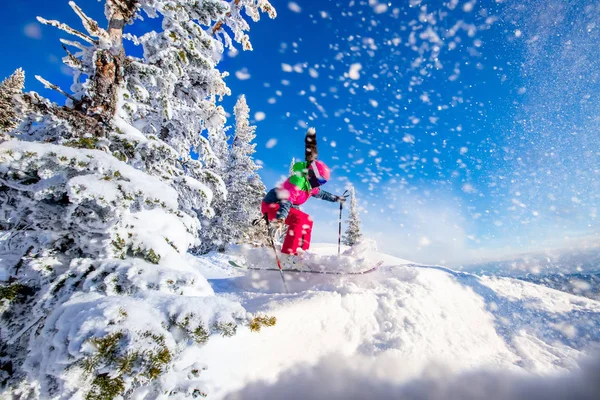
{"type": "Point", "coordinates": [110, 62]}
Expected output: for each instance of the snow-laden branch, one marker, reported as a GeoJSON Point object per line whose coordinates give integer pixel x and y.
{"type": "Point", "coordinates": [49, 85]}
{"type": "Point", "coordinates": [68, 29]}
{"type": "Point", "coordinates": [89, 24]}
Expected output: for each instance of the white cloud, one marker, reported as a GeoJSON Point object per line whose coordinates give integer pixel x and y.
{"type": "Point", "coordinates": [242, 74]}
{"type": "Point", "coordinates": [294, 7]}
{"type": "Point", "coordinates": [259, 116]}
{"type": "Point", "coordinates": [33, 30]}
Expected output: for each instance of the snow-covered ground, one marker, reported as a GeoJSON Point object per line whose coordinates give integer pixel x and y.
{"type": "Point", "coordinates": [378, 335]}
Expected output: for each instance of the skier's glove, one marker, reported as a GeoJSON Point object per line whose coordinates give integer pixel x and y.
{"type": "Point", "coordinates": [342, 199]}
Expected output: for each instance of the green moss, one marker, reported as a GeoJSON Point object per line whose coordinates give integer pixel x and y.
{"type": "Point", "coordinates": [105, 388]}
{"type": "Point", "coordinates": [117, 174]}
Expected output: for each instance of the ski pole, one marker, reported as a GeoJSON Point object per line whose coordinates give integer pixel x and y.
{"type": "Point", "coordinates": [340, 226]}
{"type": "Point", "coordinates": [275, 250]}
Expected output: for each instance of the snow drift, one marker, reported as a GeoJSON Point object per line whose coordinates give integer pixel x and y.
{"type": "Point", "coordinates": [406, 330]}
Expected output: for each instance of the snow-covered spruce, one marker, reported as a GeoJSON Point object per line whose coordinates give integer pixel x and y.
{"type": "Point", "coordinates": [234, 215]}
{"type": "Point", "coordinates": [291, 169]}
{"type": "Point", "coordinates": [99, 203]}
{"type": "Point", "coordinates": [10, 87]}
{"type": "Point", "coordinates": [352, 234]}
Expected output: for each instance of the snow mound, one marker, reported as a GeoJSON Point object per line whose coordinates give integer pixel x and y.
{"type": "Point", "coordinates": [405, 330]}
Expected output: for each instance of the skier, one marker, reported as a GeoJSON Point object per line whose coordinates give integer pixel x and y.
{"type": "Point", "coordinates": [280, 205]}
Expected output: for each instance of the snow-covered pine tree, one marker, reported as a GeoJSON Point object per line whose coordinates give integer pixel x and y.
{"type": "Point", "coordinates": [9, 88]}
{"type": "Point", "coordinates": [98, 206]}
{"type": "Point", "coordinates": [352, 234]}
{"type": "Point", "coordinates": [246, 188]}
{"type": "Point", "coordinates": [233, 218]}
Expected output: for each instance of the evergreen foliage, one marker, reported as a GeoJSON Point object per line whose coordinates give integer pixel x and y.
{"type": "Point", "coordinates": [99, 203]}
{"type": "Point", "coordinates": [352, 234]}
{"type": "Point", "coordinates": [232, 223]}
{"type": "Point", "coordinates": [9, 88]}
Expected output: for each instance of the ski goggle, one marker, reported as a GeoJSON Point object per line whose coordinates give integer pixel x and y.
{"type": "Point", "coordinates": [314, 177]}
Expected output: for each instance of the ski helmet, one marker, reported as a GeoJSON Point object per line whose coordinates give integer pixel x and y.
{"type": "Point", "coordinates": [318, 173]}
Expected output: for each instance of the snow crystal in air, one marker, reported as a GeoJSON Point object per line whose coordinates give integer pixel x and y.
{"type": "Point", "coordinates": [374, 103]}
{"type": "Point", "coordinates": [271, 143]}
{"type": "Point", "coordinates": [468, 7]}
{"type": "Point", "coordinates": [286, 67]}
{"type": "Point", "coordinates": [424, 241]}
{"type": "Point", "coordinates": [259, 116]}
{"type": "Point", "coordinates": [380, 8]}
{"type": "Point", "coordinates": [408, 138]}
{"type": "Point", "coordinates": [232, 52]}
{"type": "Point", "coordinates": [294, 7]}
{"type": "Point", "coordinates": [463, 150]}
{"type": "Point", "coordinates": [313, 73]}
{"type": "Point", "coordinates": [468, 188]}
{"type": "Point", "coordinates": [33, 31]}
{"type": "Point", "coordinates": [242, 74]}
{"type": "Point", "coordinates": [354, 72]}
{"type": "Point", "coordinates": [518, 33]}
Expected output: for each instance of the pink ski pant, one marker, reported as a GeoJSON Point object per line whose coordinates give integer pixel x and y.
{"type": "Point", "coordinates": [299, 227]}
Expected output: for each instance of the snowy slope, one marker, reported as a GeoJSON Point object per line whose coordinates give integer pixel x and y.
{"type": "Point", "coordinates": [400, 321]}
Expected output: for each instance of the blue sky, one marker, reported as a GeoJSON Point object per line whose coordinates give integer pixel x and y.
{"type": "Point", "coordinates": [469, 128]}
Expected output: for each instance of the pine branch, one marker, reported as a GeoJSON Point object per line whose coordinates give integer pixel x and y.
{"type": "Point", "coordinates": [89, 24]}
{"type": "Point", "coordinates": [68, 29]}
{"type": "Point", "coordinates": [9, 88]}
{"type": "Point", "coordinates": [49, 85]}
{"type": "Point", "coordinates": [72, 43]}
{"type": "Point", "coordinates": [73, 62]}
{"type": "Point", "coordinates": [219, 24]}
